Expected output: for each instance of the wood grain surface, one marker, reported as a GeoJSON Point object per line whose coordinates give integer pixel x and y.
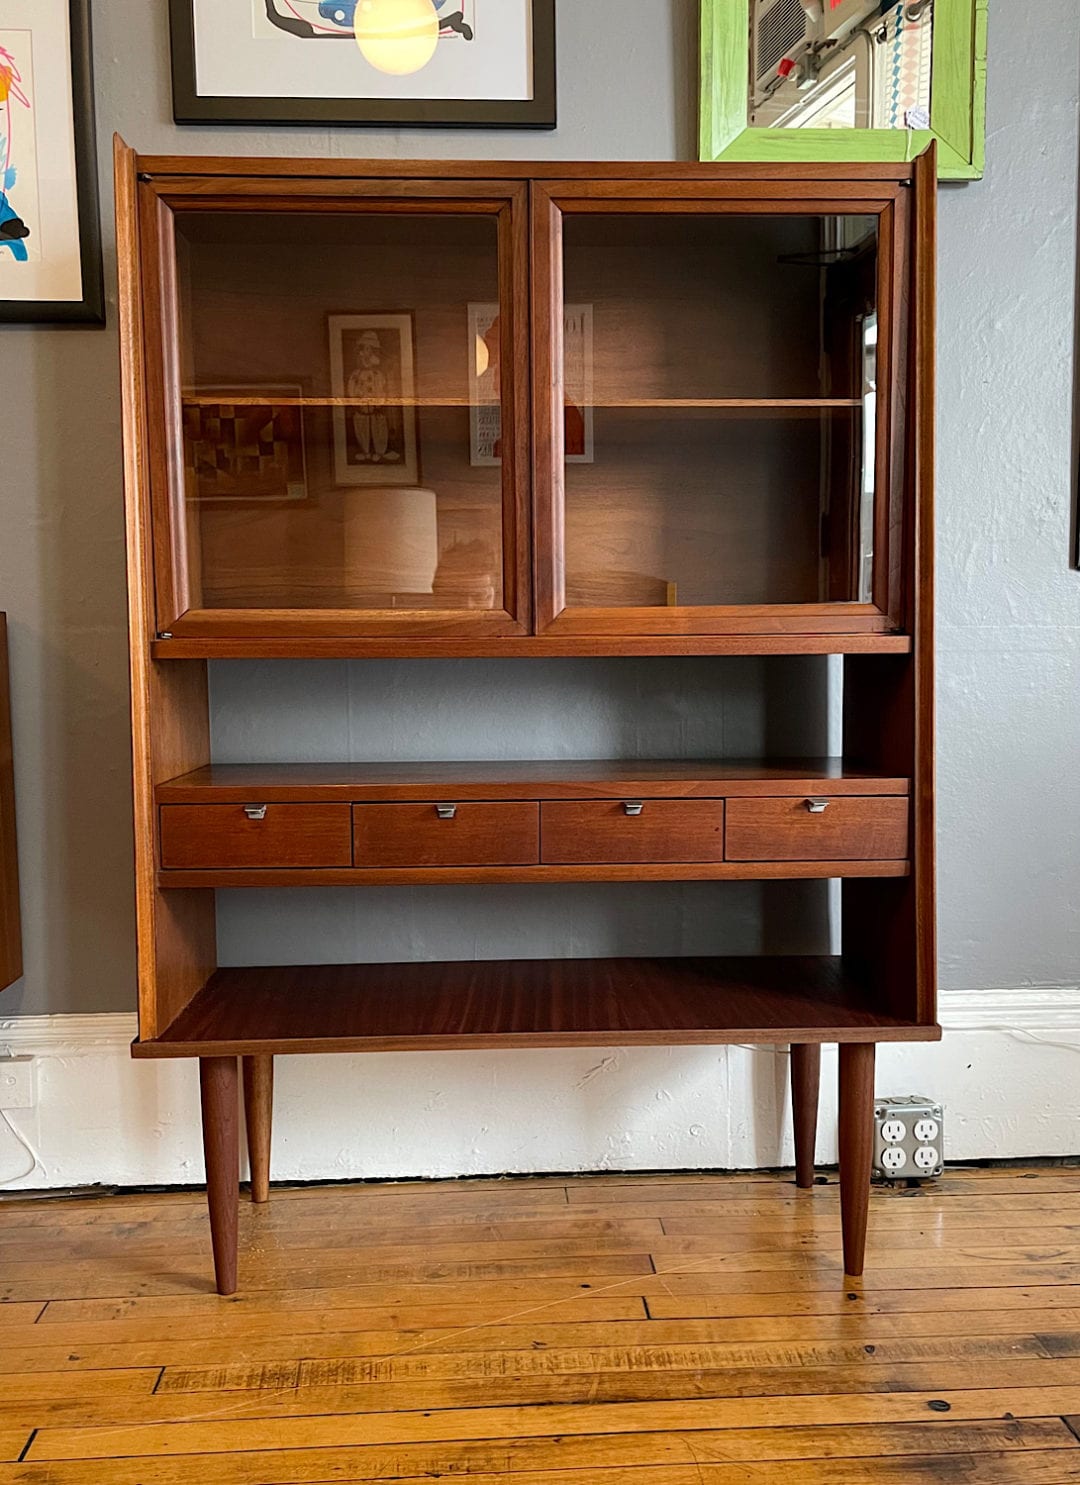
{"type": "Point", "coordinates": [350, 1358]}
{"type": "Point", "coordinates": [528, 1003]}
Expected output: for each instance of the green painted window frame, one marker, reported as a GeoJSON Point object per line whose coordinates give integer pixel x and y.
{"type": "Point", "coordinates": [957, 112]}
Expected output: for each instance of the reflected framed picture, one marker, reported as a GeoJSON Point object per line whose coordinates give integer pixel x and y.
{"type": "Point", "coordinates": [485, 400]}
{"type": "Point", "coordinates": [820, 80]}
{"type": "Point", "coordinates": [245, 445]}
{"type": "Point", "coordinates": [428, 62]}
{"type": "Point", "coordinates": [50, 233]}
{"type": "Point", "coordinates": [373, 379]}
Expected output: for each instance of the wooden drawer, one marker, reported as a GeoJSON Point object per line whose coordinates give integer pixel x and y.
{"type": "Point", "coordinates": [221, 836]}
{"type": "Point", "coordinates": [849, 828]}
{"type": "Point", "coordinates": [579, 832]}
{"type": "Point", "coordinates": [480, 834]}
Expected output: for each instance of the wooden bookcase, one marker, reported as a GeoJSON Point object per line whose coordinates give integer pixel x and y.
{"type": "Point", "coordinates": [375, 409]}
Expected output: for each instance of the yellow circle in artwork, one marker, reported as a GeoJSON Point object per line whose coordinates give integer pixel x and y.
{"type": "Point", "coordinates": [397, 36]}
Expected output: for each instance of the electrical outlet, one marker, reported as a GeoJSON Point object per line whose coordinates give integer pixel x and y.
{"type": "Point", "coordinates": [16, 1082]}
{"type": "Point", "coordinates": [908, 1137]}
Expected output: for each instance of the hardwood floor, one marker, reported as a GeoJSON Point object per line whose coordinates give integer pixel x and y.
{"type": "Point", "coordinates": [599, 1331]}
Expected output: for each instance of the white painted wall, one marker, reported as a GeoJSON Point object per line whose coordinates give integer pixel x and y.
{"type": "Point", "coordinates": [1009, 723]}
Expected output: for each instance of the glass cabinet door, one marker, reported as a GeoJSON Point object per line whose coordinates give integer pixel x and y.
{"type": "Point", "coordinates": [336, 399]}
{"type": "Point", "coordinates": [717, 459]}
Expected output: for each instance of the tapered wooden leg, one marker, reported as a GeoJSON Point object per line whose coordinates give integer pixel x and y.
{"type": "Point", "coordinates": [258, 1111]}
{"type": "Point", "coordinates": [805, 1082]}
{"type": "Point", "coordinates": [219, 1085]}
{"type": "Point", "coordinates": [856, 1138]}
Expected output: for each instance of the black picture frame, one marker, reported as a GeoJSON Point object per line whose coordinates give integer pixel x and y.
{"type": "Point", "coordinates": [90, 309]}
{"type": "Point", "coordinates": [537, 112]}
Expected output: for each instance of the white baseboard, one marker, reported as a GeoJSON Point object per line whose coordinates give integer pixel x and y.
{"type": "Point", "coordinates": [1006, 1073]}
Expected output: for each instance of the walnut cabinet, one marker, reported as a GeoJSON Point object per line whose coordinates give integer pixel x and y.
{"type": "Point", "coordinates": [375, 409]}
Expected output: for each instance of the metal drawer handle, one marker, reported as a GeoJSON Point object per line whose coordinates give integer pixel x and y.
{"type": "Point", "coordinates": [633, 806]}
{"type": "Point", "coordinates": [446, 811]}
{"type": "Point", "coordinates": [255, 811]}
{"type": "Point", "coordinates": [817, 806]}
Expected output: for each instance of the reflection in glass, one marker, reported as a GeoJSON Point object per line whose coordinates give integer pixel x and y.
{"type": "Point", "coordinates": [841, 64]}
{"type": "Point", "coordinates": [329, 405]}
{"type": "Point", "coordinates": [730, 368]}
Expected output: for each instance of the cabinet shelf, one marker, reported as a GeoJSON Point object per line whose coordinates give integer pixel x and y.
{"type": "Point", "coordinates": [559, 779]}
{"type": "Point", "coordinates": [780, 404]}
{"type": "Point", "coordinates": [327, 647]}
{"type": "Point", "coordinates": [528, 1003]}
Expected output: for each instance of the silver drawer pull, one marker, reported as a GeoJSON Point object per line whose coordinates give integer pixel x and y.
{"type": "Point", "coordinates": [255, 811]}
{"type": "Point", "coordinates": [633, 806]}
{"type": "Point", "coordinates": [446, 811]}
{"type": "Point", "coordinates": [817, 806]}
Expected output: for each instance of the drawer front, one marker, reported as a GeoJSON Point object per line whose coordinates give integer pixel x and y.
{"type": "Point", "coordinates": [849, 828]}
{"type": "Point", "coordinates": [208, 837]}
{"type": "Point", "coordinates": [474, 834]}
{"type": "Point", "coordinates": [580, 832]}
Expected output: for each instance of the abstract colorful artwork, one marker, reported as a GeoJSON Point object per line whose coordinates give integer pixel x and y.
{"type": "Point", "coordinates": [430, 62]}
{"type": "Point", "coordinates": [50, 236]}
{"type": "Point", "coordinates": [18, 153]}
{"type": "Point", "coordinates": [314, 19]}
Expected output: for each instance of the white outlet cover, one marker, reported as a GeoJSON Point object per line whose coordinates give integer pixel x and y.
{"type": "Point", "coordinates": [926, 1131]}
{"type": "Point", "coordinates": [893, 1159]}
{"type": "Point", "coordinates": [16, 1082]}
{"type": "Point", "coordinates": [926, 1157]}
{"type": "Point", "coordinates": [893, 1131]}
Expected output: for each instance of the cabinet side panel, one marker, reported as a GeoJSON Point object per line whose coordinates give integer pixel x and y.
{"type": "Point", "coordinates": [10, 922]}
{"type": "Point", "coordinates": [923, 402]}
{"type": "Point", "coordinates": [169, 711]}
{"type": "Point", "coordinates": [889, 928]}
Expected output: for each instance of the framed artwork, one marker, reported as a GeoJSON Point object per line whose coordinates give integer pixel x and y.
{"type": "Point", "coordinates": [434, 62]}
{"type": "Point", "coordinates": [245, 444]}
{"type": "Point", "coordinates": [485, 405]}
{"type": "Point", "coordinates": [374, 386]}
{"type": "Point", "coordinates": [874, 80]}
{"type": "Point", "coordinates": [50, 234]}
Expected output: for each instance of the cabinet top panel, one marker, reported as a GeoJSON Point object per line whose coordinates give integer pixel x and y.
{"type": "Point", "coordinates": [519, 170]}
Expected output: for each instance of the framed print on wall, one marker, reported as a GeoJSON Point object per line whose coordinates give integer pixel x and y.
{"type": "Point", "coordinates": [392, 62]}
{"type": "Point", "coordinates": [50, 234]}
{"type": "Point", "coordinates": [372, 375]}
{"type": "Point", "coordinates": [819, 80]}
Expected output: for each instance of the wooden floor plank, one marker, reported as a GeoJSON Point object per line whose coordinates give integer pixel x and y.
{"type": "Point", "coordinates": [604, 1331]}
{"type": "Point", "coordinates": [282, 1402]}
{"type": "Point", "coordinates": [266, 1338]}
{"type": "Point", "coordinates": [13, 1440]}
{"type": "Point", "coordinates": [559, 1361]}
{"type": "Point", "coordinates": [593, 1291]}
{"type": "Point", "coordinates": [558, 1456]}
{"type": "Point", "coordinates": [225, 1433]}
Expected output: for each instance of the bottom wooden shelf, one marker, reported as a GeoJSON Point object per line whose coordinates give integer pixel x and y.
{"type": "Point", "coordinates": [528, 1003]}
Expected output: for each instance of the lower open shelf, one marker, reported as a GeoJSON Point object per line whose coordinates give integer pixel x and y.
{"type": "Point", "coordinates": [528, 1003]}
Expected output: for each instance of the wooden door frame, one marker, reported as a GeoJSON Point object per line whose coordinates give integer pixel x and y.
{"type": "Point", "coordinates": [178, 609]}
{"type": "Point", "coordinates": [551, 201]}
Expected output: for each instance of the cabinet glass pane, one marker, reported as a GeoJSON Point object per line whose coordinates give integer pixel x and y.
{"type": "Point", "coordinates": [341, 413]}
{"type": "Point", "coordinates": [719, 381]}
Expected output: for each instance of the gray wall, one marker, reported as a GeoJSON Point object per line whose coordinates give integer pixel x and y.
{"type": "Point", "coordinates": [1009, 607]}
